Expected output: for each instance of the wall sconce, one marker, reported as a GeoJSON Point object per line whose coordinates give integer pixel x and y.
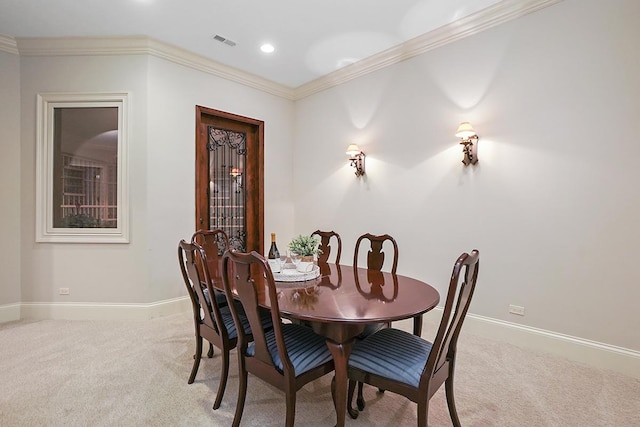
{"type": "Point", "coordinates": [468, 138]}
{"type": "Point", "coordinates": [357, 158]}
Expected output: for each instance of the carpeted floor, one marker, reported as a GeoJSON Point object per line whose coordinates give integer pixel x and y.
{"type": "Point", "coordinates": [113, 373]}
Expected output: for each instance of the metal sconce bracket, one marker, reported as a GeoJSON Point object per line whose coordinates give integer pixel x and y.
{"type": "Point", "coordinates": [469, 150]}
{"type": "Point", "coordinates": [356, 158]}
{"type": "Point", "coordinates": [469, 141]}
{"type": "Point", "coordinates": [357, 162]}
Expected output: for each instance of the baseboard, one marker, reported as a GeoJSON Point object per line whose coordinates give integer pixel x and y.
{"type": "Point", "coordinates": [103, 311]}
{"type": "Point", "coordinates": [597, 354]}
{"type": "Point", "coordinates": [9, 312]}
{"type": "Point", "coordinates": [592, 353]}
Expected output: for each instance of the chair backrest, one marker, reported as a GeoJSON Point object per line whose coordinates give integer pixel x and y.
{"type": "Point", "coordinates": [245, 276]}
{"type": "Point", "coordinates": [214, 242]}
{"type": "Point", "coordinates": [325, 246]}
{"type": "Point", "coordinates": [375, 256]}
{"type": "Point", "coordinates": [459, 296]}
{"type": "Point", "coordinates": [191, 256]}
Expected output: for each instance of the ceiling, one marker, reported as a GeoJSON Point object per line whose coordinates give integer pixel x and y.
{"type": "Point", "coordinates": [312, 38]}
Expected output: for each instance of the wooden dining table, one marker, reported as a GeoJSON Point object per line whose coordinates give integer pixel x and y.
{"type": "Point", "coordinates": [342, 301]}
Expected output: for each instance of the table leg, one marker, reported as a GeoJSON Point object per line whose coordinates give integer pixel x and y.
{"type": "Point", "coordinates": [417, 325]}
{"type": "Point", "coordinates": [340, 353]}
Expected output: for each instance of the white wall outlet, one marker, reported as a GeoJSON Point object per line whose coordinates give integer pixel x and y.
{"type": "Point", "coordinates": [516, 309]}
{"type": "Point", "coordinates": [64, 291]}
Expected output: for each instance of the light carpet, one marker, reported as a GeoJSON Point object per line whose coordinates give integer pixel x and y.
{"type": "Point", "coordinates": [116, 373]}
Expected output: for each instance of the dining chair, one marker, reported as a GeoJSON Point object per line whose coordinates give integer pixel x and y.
{"type": "Point", "coordinates": [288, 356]}
{"type": "Point", "coordinates": [376, 255]}
{"type": "Point", "coordinates": [325, 246]}
{"type": "Point", "coordinates": [375, 263]}
{"type": "Point", "coordinates": [214, 242]}
{"type": "Point", "coordinates": [415, 368]}
{"type": "Point", "coordinates": [212, 321]}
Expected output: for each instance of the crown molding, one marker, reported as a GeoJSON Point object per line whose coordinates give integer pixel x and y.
{"type": "Point", "coordinates": [492, 16]}
{"type": "Point", "coordinates": [8, 44]}
{"type": "Point", "coordinates": [142, 45]}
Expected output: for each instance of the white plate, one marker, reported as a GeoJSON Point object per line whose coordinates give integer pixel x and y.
{"type": "Point", "coordinates": [293, 275]}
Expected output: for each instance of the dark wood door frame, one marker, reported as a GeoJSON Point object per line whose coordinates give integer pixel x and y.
{"type": "Point", "coordinates": [254, 173]}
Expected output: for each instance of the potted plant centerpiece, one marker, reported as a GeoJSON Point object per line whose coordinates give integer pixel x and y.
{"type": "Point", "coordinates": [305, 247]}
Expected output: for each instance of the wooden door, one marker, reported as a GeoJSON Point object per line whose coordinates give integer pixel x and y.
{"type": "Point", "coordinates": [230, 177]}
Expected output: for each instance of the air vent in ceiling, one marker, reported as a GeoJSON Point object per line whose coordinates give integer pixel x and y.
{"type": "Point", "coordinates": [224, 40]}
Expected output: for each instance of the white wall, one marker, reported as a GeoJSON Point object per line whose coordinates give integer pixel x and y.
{"type": "Point", "coordinates": [161, 175]}
{"type": "Point", "coordinates": [552, 204]}
{"type": "Point", "coordinates": [112, 273]}
{"type": "Point", "coordinates": [174, 91]}
{"type": "Point", "coordinates": [10, 187]}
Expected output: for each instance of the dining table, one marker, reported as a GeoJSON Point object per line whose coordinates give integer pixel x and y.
{"type": "Point", "coordinates": [342, 300]}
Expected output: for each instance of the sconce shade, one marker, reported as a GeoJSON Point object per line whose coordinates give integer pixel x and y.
{"type": "Point", "coordinates": [353, 150]}
{"type": "Point", "coordinates": [465, 131]}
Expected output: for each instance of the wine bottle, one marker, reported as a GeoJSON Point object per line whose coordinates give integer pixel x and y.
{"type": "Point", "coordinates": [274, 255]}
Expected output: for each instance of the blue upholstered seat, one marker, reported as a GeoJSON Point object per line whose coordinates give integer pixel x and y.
{"type": "Point", "coordinates": [225, 312]}
{"type": "Point", "coordinates": [221, 298]}
{"type": "Point", "coordinates": [227, 318]}
{"type": "Point", "coordinates": [392, 353]}
{"type": "Point", "coordinates": [306, 349]}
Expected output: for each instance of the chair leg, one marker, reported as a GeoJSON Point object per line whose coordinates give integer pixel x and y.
{"type": "Point", "coordinates": [423, 413]}
{"type": "Point", "coordinates": [210, 353]}
{"type": "Point", "coordinates": [291, 408]}
{"type": "Point", "coordinates": [353, 413]}
{"type": "Point", "coordinates": [224, 374]}
{"type": "Point", "coordinates": [242, 394]}
{"type": "Point", "coordinates": [360, 399]}
{"type": "Point", "coordinates": [196, 360]}
{"type": "Point", "coordinates": [453, 413]}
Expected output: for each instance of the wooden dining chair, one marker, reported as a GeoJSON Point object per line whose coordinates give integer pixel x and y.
{"type": "Point", "coordinates": [212, 321]}
{"type": "Point", "coordinates": [375, 263]}
{"type": "Point", "coordinates": [376, 255]}
{"type": "Point", "coordinates": [214, 242]}
{"type": "Point", "coordinates": [408, 365]}
{"type": "Point", "coordinates": [288, 356]}
{"type": "Point", "coordinates": [325, 245]}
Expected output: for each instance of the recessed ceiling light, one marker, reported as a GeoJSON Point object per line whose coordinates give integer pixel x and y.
{"type": "Point", "coordinates": [267, 48]}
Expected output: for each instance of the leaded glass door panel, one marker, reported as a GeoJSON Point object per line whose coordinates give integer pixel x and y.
{"type": "Point", "coordinates": [229, 177]}
{"type": "Point", "coordinates": [227, 154]}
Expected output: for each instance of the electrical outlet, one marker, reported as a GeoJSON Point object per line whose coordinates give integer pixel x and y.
{"type": "Point", "coordinates": [516, 309]}
{"type": "Point", "coordinates": [64, 291]}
